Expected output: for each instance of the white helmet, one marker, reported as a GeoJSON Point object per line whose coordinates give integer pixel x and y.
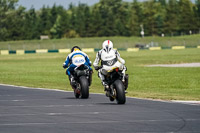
{"type": "Point", "coordinates": [107, 45]}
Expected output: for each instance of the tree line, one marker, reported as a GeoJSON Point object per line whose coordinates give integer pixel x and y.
{"type": "Point", "coordinates": [106, 18]}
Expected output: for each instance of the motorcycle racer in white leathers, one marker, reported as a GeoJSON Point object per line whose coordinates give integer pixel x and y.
{"type": "Point", "coordinates": [109, 58]}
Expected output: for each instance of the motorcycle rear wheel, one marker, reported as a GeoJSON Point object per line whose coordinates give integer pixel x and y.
{"type": "Point", "coordinates": [120, 89]}
{"type": "Point", "coordinates": [84, 87]}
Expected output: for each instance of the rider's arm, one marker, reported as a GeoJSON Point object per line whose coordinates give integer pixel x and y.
{"type": "Point", "coordinates": [119, 58]}
{"type": "Point", "coordinates": [65, 64]}
{"type": "Point", "coordinates": [88, 60]}
{"type": "Point", "coordinates": [96, 62]}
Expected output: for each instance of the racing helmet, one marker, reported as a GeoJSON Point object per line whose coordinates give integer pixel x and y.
{"type": "Point", "coordinates": [75, 48]}
{"type": "Point", "coordinates": [107, 46]}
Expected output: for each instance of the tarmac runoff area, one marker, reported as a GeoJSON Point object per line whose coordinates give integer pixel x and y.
{"type": "Point", "coordinates": [176, 65]}
{"type": "Point", "coordinates": [28, 110]}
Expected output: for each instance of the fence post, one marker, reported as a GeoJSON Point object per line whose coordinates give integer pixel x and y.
{"type": "Point", "coordinates": [8, 46]}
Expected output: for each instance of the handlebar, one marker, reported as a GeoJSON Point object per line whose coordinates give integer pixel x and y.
{"type": "Point", "coordinates": [98, 67]}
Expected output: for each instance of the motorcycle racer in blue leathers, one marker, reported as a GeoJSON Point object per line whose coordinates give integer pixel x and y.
{"type": "Point", "coordinates": [74, 59]}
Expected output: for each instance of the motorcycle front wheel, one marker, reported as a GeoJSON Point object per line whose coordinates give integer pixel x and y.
{"type": "Point", "coordinates": [84, 87]}
{"type": "Point", "coordinates": [120, 89]}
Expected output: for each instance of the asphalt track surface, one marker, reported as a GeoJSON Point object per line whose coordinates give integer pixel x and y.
{"type": "Point", "coordinates": [29, 110]}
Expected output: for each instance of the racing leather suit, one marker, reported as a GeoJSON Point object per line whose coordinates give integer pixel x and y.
{"type": "Point", "coordinates": [108, 61]}
{"type": "Point", "coordinates": [75, 59]}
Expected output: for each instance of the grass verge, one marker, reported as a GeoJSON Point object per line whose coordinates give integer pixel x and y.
{"type": "Point", "coordinates": [96, 42]}
{"type": "Point", "coordinates": [45, 71]}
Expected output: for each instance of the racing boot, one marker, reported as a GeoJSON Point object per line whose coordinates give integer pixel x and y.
{"type": "Point", "coordinates": [124, 74]}
{"type": "Point", "coordinates": [123, 78]}
{"type": "Point", "coordinates": [105, 84]}
{"type": "Point", "coordinates": [72, 81]}
{"type": "Point", "coordinates": [90, 77]}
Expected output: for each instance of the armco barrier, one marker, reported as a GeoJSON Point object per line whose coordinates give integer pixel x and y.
{"type": "Point", "coordinates": [30, 51]}
{"type": "Point", "coordinates": [121, 49]}
{"type": "Point", "coordinates": [166, 47]}
{"type": "Point", "coordinates": [191, 46]}
{"type": "Point", "coordinates": [53, 51]}
{"type": "Point", "coordinates": [97, 49]}
{"type": "Point", "coordinates": [132, 49]}
{"type": "Point", "coordinates": [155, 48]}
{"type": "Point", "coordinates": [88, 50]}
{"type": "Point", "coordinates": [4, 52]}
{"type": "Point", "coordinates": [20, 52]}
{"type": "Point", "coordinates": [12, 52]}
{"type": "Point", "coordinates": [41, 50]}
{"type": "Point", "coordinates": [178, 47]}
{"type": "Point", "coordinates": [64, 50]}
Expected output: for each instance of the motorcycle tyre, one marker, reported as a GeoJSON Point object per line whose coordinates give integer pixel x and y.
{"type": "Point", "coordinates": [120, 89]}
{"type": "Point", "coordinates": [84, 87]}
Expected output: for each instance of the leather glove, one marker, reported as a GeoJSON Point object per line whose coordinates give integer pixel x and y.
{"type": "Point", "coordinates": [97, 68]}
{"type": "Point", "coordinates": [64, 66]}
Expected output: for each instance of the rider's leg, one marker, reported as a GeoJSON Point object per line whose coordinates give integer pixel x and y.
{"type": "Point", "coordinates": [124, 73]}
{"type": "Point", "coordinates": [103, 81]}
{"type": "Point", "coordinates": [90, 77]}
{"type": "Point", "coordinates": [90, 73]}
{"type": "Point", "coordinates": [125, 77]}
{"type": "Point", "coordinates": [70, 69]}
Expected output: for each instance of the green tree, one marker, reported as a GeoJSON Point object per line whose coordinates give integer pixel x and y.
{"type": "Point", "coordinates": [171, 19]}
{"type": "Point", "coordinates": [108, 11]}
{"type": "Point", "coordinates": [162, 2]}
{"type": "Point", "coordinates": [135, 18]}
{"type": "Point", "coordinates": [44, 21]}
{"type": "Point", "coordinates": [154, 18]}
{"type": "Point", "coordinates": [197, 15]}
{"type": "Point", "coordinates": [65, 24]}
{"type": "Point", "coordinates": [53, 14]}
{"type": "Point", "coordinates": [122, 19]}
{"type": "Point", "coordinates": [7, 8]}
{"type": "Point", "coordinates": [15, 24]}
{"type": "Point", "coordinates": [186, 16]}
{"type": "Point", "coordinates": [56, 30]}
{"type": "Point", "coordinates": [72, 12]}
{"type": "Point", "coordinates": [96, 21]}
{"type": "Point", "coordinates": [31, 25]}
{"type": "Point", "coordinates": [82, 19]}
{"type": "Point", "coordinates": [87, 15]}
{"type": "Point", "coordinates": [107, 16]}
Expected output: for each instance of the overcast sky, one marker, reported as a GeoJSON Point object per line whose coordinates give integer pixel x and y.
{"type": "Point", "coordinates": [37, 4]}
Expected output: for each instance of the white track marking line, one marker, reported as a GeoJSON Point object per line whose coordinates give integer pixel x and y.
{"type": "Point", "coordinates": [56, 114]}
{"type": "Point", "coordinates": [187, 102]}
{"type": "Point", "coordinates": [97, 122]}
{"type": "Point", "coordinates": [11, 95]}
{"type": "Point", "coordinates": [35, 88]}
{"type": "Point", "coordinates": [47, 106]}
{"type": "Point", "coordinates": [15, 100]}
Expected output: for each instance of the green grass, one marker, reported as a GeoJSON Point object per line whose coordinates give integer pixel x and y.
{"type": "Point", "coordinates": [96, 42]}
{"type": "Point", "coordinates": [45, 71]}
